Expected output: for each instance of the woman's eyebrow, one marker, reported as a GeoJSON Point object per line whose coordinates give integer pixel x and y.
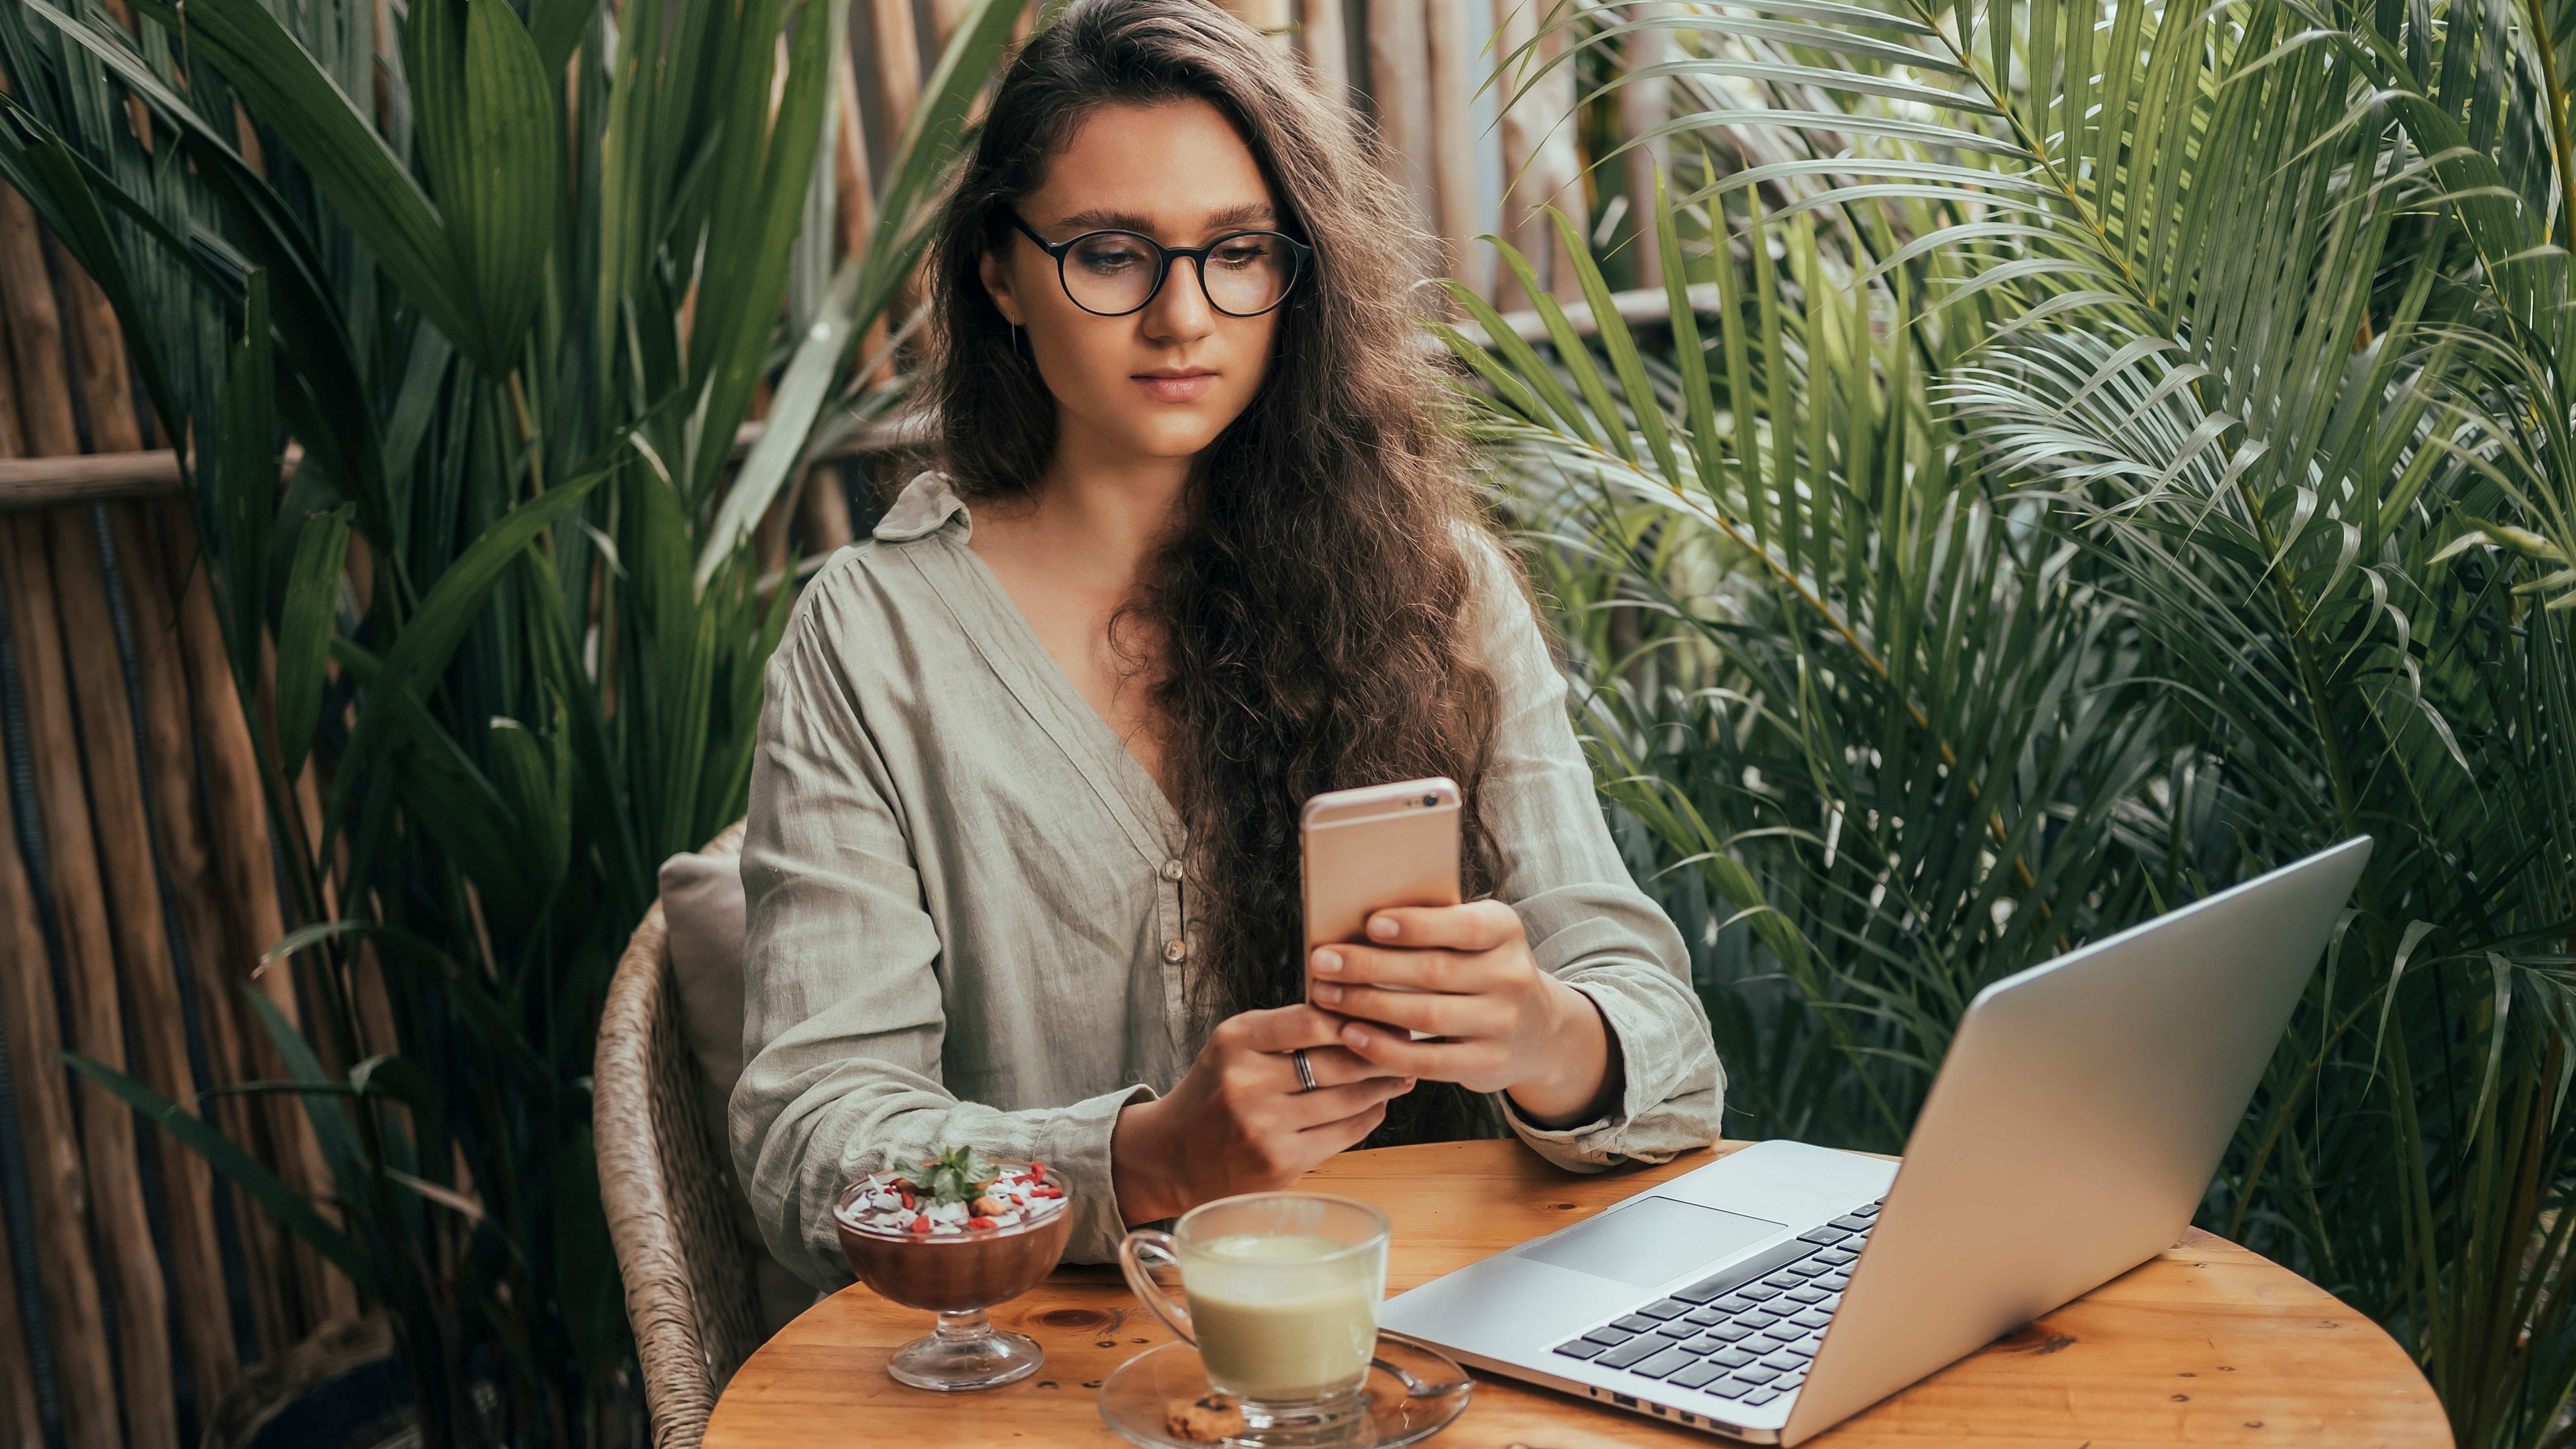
{"type": "Point", "coordinates": [1102, 219]}
{"type": "Point", "coordinates": [1244, 215]}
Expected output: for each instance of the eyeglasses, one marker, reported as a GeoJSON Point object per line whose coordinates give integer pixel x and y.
{"type": "Point", "coordinates": [1115, 273]}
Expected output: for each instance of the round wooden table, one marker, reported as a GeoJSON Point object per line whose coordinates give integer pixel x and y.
{"type": "Point", "coordinates": [2207, 1343]}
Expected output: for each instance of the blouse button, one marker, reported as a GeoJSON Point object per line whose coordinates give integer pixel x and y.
{"type": "Point", "coordinates": [1175, 950]}
{"type": "Point", "coordinates": [1171, 870]}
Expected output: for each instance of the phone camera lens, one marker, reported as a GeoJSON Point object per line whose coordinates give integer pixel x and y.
{"type": "Point", "coordinates": [1430, 799]}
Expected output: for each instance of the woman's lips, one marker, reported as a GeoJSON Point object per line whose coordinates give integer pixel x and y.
{"type": "Point", "coordinates": [1175, 387]}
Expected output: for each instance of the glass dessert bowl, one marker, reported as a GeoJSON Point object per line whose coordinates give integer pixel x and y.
{"type": "Point", "coordinates": [957, 1235]}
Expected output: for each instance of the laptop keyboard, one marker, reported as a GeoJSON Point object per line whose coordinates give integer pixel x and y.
{"type": "Point", "coordinates": [1747, 1333]}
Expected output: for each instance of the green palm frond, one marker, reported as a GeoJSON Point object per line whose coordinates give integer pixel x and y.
{"type": "Point", "coordinates": [510, 280]}
{"type": "Point", "coordinates": [2134, 451]}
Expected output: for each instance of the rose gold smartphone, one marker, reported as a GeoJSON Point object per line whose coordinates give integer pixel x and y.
{"type": "Point", "coordinates": [1380, 846]}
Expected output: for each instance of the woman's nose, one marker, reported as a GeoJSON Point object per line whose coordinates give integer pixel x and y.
{"type": "Point", "coordinates": [1180, 312]}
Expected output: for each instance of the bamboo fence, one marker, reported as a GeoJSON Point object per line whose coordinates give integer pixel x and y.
{"type": "Point", "coordinates": [136, 883]}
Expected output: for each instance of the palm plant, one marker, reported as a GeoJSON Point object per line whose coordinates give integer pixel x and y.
{"type": "Point", "coordinates": [2133, 453]}
{"type": "Point", "coordinates": [510, 279]}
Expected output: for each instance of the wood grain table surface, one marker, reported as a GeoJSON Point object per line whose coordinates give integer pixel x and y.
{"type": "Point", "coordinates": [2206, 1343]}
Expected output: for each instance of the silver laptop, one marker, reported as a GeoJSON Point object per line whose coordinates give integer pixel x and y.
{"type": "Point", "coordinates": [2069, 1137]}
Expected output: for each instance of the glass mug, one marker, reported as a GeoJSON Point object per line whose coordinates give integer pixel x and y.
{"type": "Point", "coordinates": [1284, 1290]}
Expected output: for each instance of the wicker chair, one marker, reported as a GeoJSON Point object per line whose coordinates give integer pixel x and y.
{"type": "Point", "coordinates": [687, 1268]}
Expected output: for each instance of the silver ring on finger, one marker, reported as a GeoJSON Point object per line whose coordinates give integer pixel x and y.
{"type": "Point", "coordinates": [1305, 1071]}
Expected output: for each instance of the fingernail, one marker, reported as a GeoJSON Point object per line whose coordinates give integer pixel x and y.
{"type": "Point", "coordinates": [1355, 1036]}
{"type": "Point", "coordinates": [1383, 927]}
{"type": "Point", "coordinates": [1327, 994]}
{"type": "Point", "coordinates": [1406, 1085]}
{"type": "Point", "coordinates": [1328, 962]}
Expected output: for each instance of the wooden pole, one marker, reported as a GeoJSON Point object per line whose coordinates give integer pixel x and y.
{"type": "Point", "coordinates": [1273, 18]}
{"type": "Point", "coordinates": [75, 1323]}
{"type": "Point", "coordinates": [1399, 66]}
{"type": "Point", "coordinates": [1540, 164]}
{"type": "Point", "coordinates": [80, 905]}
{"type": "Point", "coordinates": [254, 919]}
{"type": "Point", "coordinates": [306, 1003]}
{"type": "Point", "coordinates": [130, 890]}
{"type": "Point", "coordinates": [196, 896]}
{"type": "Point", "coordinates": [855, 207]}
{"type": "Point", "coordinates": [122, 818]}
{"type": "Point", "coordinates": [35, 334]}
{"type": "Point", "coordinates": [1453, 138]}
{"type": "Point", "coordinates": [770, 534]}
{"type": "Point", "coordinates": [36, 403]}
{"type": "Point", "coordinates": [1327, 46]}
{"type": "Point", "coordinates": [13, 435]}
{"type": "Point", "coordinates": [824, 509]}
{"type": "Point", "coordinates": [154, 472]}
{"type": "Point", "coordinates": [821, 506]}
{"type": "Point", "coordinates": [1644, 105]}
{"type": "Point", "coordinates": [86, 477]}
{"type": "Point", "coordinates": [898, 52]}
{"type": "Point", "coordinates": [98, 349]}
{"type": "Point", "coordinates": [22, 1416]}
{"type": "Point", "coordinates": [854, 200]}
{"type": "Point", "coordinates": [945, 16]}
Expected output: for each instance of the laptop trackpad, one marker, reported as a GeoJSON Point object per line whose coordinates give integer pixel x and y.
{"type": "Point", "coordinates": [1651, 1241]}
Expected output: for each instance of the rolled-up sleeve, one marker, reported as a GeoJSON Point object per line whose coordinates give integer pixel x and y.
{"type": "Point", "coordinates": [1587, 922]}
{"type": "Point", "coordinates": [844, 1017]}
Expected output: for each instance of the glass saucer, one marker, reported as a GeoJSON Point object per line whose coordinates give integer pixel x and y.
{"type": "Point", "coordinates": [1160, 1399]}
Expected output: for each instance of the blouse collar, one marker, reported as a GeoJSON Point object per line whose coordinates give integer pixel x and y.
{"type": "Point", "coordinates": [923, 508]}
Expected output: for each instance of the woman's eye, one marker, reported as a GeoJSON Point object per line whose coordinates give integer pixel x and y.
{"type": "Point", "coordinates": [1240, 255]}
{"type": "Point", "coordinates": [1109, 260]}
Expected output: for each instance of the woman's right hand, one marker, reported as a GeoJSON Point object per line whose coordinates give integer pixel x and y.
{"type": "Point", "coordinates": [1240, 1121]}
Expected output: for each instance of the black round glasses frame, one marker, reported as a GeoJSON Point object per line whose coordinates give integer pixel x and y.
{"type": "Point", "coordinates": [1164, 257]}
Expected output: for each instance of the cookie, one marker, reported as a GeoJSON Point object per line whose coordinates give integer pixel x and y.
{"type": "Point", "coordinates": [1211, 1420]}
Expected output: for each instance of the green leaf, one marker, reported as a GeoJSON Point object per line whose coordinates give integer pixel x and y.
{"type": "Point", "coordinates": [58, 186]}
{"type": "Point", "coordinates": [245, 483]}
{"type": "Point", "coordinates": [325, 400]}
{"type": "Point", "coordinates": [398, 949]}
{"type": "Point", "coordinates": [955, 1175]}
{"type": "Point", "coordinates": [557, 26]}
{"type": "Point", "coordinates": [390, 1074]}
{"type": "Point", "coordinates": [450, 609]}
{"type": "Point", "coordinates": [1698, 403]}
{"type": "Point", "coordinates": [536, 778]}
{"type": "Point", "coordinates": [923, 153]}
{"type": "Point", "coordinates": [451, 798]}
{"type": "Point", "coordinates": [305, 630]}
{"type": "Point", "coordinates": [795, 403]}
{"type": "Point", "coordinates": [332, 1128]}
{"type": "Point", "coordinates": [763, 160]}
{"type": "Point", "coordinates": [244, 1170]}
{"type": "Point", "coordinates": [446, 1197]}
{"type": "Point", "coordinates": [490, 131]}
{"type": "Point", "coordinates": [1622, 347]}
{"type": "Point", "coordinates": [368, 189]}
{"type": "Point", "coordinates": [1534, 374]}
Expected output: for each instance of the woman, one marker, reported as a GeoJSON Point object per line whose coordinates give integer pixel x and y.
{"type": "Point", "coordinates": [1022, 857]}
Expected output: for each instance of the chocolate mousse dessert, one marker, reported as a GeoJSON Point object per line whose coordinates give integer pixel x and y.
{"type": "Point", "coordinates": [956, 1234]}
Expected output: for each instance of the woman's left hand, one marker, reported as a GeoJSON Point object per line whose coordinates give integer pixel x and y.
{"type": "Point", "coordinates": [1505, 1025]}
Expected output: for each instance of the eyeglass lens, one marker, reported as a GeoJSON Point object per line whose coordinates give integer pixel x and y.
{"type": "Point", "coordinates": [1112, 273]}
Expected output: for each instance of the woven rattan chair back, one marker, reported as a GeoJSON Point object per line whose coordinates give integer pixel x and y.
{"type": "Point", "coordinates": [687, 1269]}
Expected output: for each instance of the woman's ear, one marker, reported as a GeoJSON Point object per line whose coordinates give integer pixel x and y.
{"type": "Point", "coordinates": [997, 285]}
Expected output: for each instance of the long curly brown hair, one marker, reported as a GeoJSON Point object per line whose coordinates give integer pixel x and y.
{"type": "Point", "coordinates": [1311, 607]}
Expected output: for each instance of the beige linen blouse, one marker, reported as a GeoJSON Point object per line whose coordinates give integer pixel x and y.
{"type": "Point", "coordinates": [968, 921]}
